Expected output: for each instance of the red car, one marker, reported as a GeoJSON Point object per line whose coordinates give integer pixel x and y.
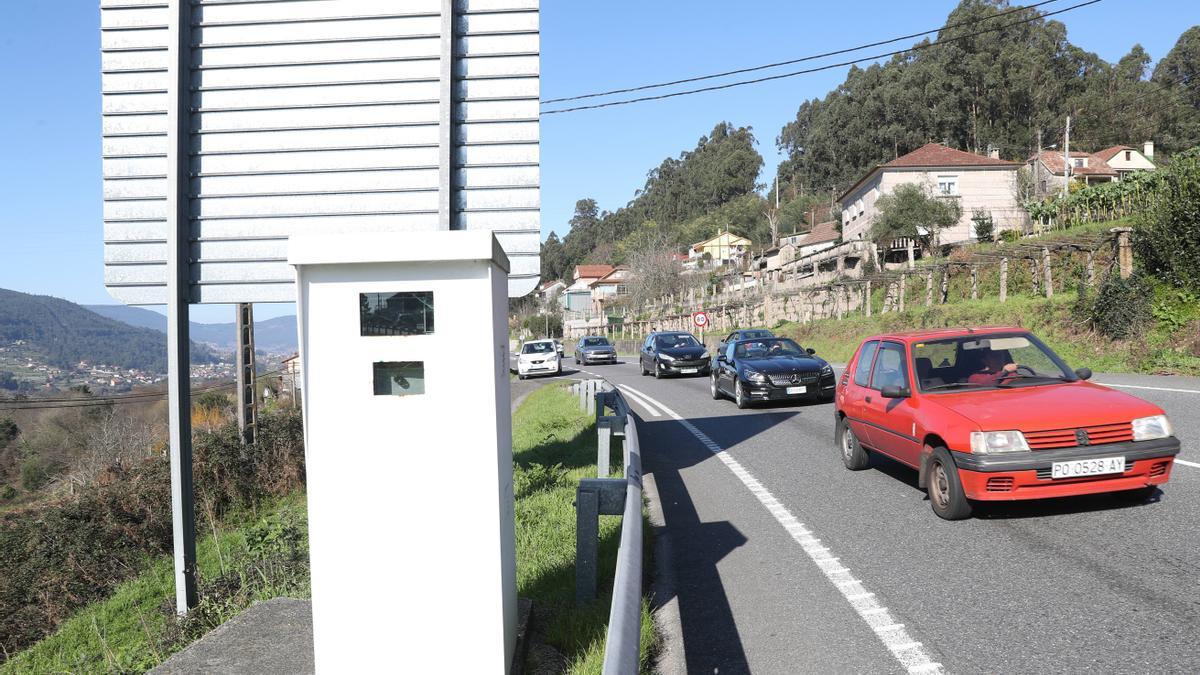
{"type": "Point", "coordinates": [992, 414]}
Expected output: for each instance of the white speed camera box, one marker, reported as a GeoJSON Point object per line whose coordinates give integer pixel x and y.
{"type": "Point", "coordinates": [408, 442]}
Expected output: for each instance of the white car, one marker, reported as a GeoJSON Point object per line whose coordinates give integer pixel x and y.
{"type": "Point", "coordinates": [538, 357]}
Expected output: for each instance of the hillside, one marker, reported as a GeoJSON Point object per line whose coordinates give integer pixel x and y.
{"type": "Point", "coordinates": [64, 334]}
{"type": "Point", "coordinates": [276, 335]}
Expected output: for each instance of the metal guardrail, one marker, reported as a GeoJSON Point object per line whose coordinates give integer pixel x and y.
{"type": "Point", "coordinates": [612, 496]}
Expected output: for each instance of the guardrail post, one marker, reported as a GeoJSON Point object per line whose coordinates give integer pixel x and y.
{"type": "Point", "coordinates": [587, 540]}
{"type": "Point", "coordinates": [582, 395]}
{"type": "Point", "coordinates": [604, 432]}
{"type": "Point", "coordinates": [593, 497]}
{"type": "Point", "coordinates": [591, 399]}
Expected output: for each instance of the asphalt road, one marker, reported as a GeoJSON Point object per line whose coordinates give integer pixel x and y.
{"type": "Point", "coordinates": [782, 561]}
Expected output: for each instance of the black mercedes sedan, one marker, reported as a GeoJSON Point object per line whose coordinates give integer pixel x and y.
{"type": "Point", "coordinates": [594, 349]}
{"type": "Point", "coordinates": [774, 369]}
{"type": "Point", "coordinates": [673, 353]}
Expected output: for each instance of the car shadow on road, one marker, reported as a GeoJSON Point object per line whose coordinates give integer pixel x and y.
{"type": "Point", "coordinates": [711, 641]}
{"type": "Point", "coordinates": [1061, 506]}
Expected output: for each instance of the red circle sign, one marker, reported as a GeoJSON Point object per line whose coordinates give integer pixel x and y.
{"type": "Point", "coordinates": [700, 319]}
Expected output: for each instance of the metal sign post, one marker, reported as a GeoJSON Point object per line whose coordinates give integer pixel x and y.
{"type": "Point", "coordinates": [247, 377]}
{"type": "Point", "coordinates": [183, 513]}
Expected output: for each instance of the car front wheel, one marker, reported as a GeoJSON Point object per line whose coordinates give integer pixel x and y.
{"type": "Point", "coordinates": [716, 391]}
{"type": "Point", "coordinates": [658, 371]}
{"type": "Point", "coordinates": [739, 396]}
{"type": "Point", "coordinates": [854, 456]}
{"type": "Point", "coordinates": [945, 489]}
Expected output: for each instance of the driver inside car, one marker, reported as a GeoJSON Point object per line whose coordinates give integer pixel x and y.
{"type": "Point", "coordinates": [994, 366]}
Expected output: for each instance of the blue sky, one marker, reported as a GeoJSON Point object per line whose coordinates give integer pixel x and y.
{"type": "Point", "coordinates": [50, 190]}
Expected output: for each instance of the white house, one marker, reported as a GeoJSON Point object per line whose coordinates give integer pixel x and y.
{"type": "Point", "coordinates": [1126, 160]}
{"type": "Point", "coordinates": [977, 183]}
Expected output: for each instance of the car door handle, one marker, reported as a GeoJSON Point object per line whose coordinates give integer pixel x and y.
{"type": "Point", "coordinates": [868, 399]}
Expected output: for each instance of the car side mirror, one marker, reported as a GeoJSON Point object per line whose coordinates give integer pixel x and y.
{"type": "Point", "coordinates": [1083, 373]}
{"type": "Point", "coordinates": [895, 392]}
{"type": "Point", "coordinates": [722, 358]}
{"type": "Point", "coordinates": [810, 350]}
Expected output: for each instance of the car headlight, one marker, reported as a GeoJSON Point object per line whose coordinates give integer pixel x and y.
{"type": "Point", "coordinates": [1150, 428]}
{"type": "Point", "coordinates": [754, 375]}
{"type": "Point", "coordinates": [994, 442]}
{"type": "Point", "coordinates": [704, 355]}
{"type": "Point", "coordinates": [826, 369]}
{"type": "Point", "coordinates": [666, 357]}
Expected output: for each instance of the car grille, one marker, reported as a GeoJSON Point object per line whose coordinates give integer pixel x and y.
{"type": "Point", "coordinates": [1069, 438]}
{"type": "Point", "coordinates": [684, 363]}
{"type": "Point", "coordinates": [787, 381]}
{"type": "Point", "coordinates": [1047, 473]}
{"type": "Point", "coordinates": [1000, 484]}
{"type": "Point", "coordinates": [1158, 469]}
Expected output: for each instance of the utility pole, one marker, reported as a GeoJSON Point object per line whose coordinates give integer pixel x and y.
{"type": "Point", "coordinates": [247, 403]}
{"type": "Point", "coordinates": [1037, 169]}
{"type": "Point", "coordinates": [1067, 157]}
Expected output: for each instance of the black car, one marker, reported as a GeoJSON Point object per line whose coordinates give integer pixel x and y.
{"type": "Point", "coordinates": [674, 353]}
{"type": "Point", "coordinates": [743, 334]}
{"type": "Point", "coordinates": [594, 349]}
{"type": "Point", "coordinates": [772, 369]}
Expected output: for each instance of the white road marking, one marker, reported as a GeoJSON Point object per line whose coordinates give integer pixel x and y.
{"type": "Point", "coordinates": [908, 652]}
{"type": "Point", "coordinates": [1137, 386]}
{"type": "Point", "coordinates": [639, 400]}
{"type": "Point", "coordinates": [1187, 463]}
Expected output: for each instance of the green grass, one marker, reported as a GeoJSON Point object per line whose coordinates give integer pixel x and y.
{"type": "Point", "coordinates": [554, 446]}
{"type": "Point", "coordinates": [252, 557]}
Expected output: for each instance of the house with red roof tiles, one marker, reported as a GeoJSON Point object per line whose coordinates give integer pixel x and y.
{"type": "Point", "coordinates": [975, 182]}
{"type": "Point", "coordinates": [1051, 171]}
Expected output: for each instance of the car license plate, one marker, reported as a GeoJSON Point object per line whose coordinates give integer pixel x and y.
{"type": "Point", "coordinates": [797, 390]}
{"type": "Point", "coordinates": [689, 370]}
{"type": "Point", "coordinates": [1087, 467]}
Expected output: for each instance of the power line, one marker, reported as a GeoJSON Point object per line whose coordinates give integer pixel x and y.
{"type": "Point", "coordinates": [817, 69]}
{"type": "Point", "coordinates": [792, 61]}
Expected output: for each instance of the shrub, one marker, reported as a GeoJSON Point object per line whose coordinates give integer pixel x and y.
{"type": "Point", "coordinates": [8, 431]}
{"type": "Point", "coordinates": [1166, 236]}
{"type": "Point", "coordinates": [7, 492]}
{"type": "Point", "coordinates": [984, 228]}
{"type": "Point", "coordinates": [63, 556]}
{"type": "Point", "coordinates": [37, 471]}
{"type": "Point", "coordinates": [1010, 236]}
{"type": "Point", "coordinates": [1122, 307]}
{"type": "Point", "coordinates": [213, 400]}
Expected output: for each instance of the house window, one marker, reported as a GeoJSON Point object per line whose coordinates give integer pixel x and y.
{"type": "Point", "coordinates": [947, 185]}
{"type": "Point", "coordinates": [622, 289]}
{"type": "Point", "coordinates": [1128, 155]}
{"type": "Point", "coordinates": [1080, 163]}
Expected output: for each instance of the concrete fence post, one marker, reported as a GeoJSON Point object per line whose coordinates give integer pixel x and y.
{"type": "Point", "coordinates": [1003, 279]}
{"type": "Point", "coordinates": [902, 291]}
{"type": "Point", "coordinates": [945, 294]}
{"type": "Point", "coordinates": [929, 288]}
{"type": "Point", "coordinates": [974, 282]}
{"type": "Point", "coordinates": [867, 297]}
{"type": "Point", "coordinates": [591, 397]}
{"type": "Point", "coordinates": [1091, 269]}
{"type": "Point", "coordinates": [582, 390]}
{"type": "Point", "coordinates": [1048, 280]}
{"type": "Point", "coordinates": [1124, 250]}
{"type": "Point", "coordinates": [1036, 276]}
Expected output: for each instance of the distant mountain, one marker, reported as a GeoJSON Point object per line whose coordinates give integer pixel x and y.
{"type": "Point", "coordinates": [66, 333]}
{"type": "Point", "coordinates": [273, 335]}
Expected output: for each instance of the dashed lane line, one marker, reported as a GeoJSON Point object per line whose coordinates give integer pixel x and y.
{"type": "Point", "coordinates": [1139, 386]}
{"type": "Point", "coordinates": [911, 654]}
{"type": "Point", "coordinates": [1194, 465]}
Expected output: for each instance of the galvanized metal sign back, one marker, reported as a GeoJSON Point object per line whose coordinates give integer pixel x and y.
{"type": "Point", "coordinates": [312, 116]}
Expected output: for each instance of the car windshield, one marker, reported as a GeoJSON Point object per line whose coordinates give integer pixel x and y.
{"type": "Point", "coordinates": [677, 341]}
{"type": "Point", "coordinates": [986, 362]}
{"type": "Point", "coordinates": [767, 349]}
{"type": "Point", "coordinates": [595, 342]}
{"type": "Point", "coordinates": [537, 348]}
{"type": "Point", "coordinates": [755, 334]}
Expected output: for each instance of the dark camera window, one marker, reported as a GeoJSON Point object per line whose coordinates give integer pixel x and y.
{"type": "Point", "coordinates": [399, 378]}
{"type": "Point", "coordinates": [407, 313]}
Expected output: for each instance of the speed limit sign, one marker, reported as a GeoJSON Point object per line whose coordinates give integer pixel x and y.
{"type": "Point", "coordinates": [700, 319]}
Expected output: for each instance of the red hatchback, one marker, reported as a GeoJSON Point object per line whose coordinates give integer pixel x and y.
{"type": "Point", "coordinates": [993, 414]}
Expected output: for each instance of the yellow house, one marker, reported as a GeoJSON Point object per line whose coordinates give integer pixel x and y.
{"type": "Point", "coordinates": [722, 249]}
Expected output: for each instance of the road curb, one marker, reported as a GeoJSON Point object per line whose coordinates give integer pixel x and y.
{"type": "Point", "coordinates": [670, 659]}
